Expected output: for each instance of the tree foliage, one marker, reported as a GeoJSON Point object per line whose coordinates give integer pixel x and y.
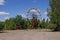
{"type": "Point", "coordinates": [1, 25]}
{"type": "Point", "coordinates": [54, 13]}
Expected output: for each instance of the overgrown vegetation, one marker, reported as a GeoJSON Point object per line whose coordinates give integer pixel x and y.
{"type": "Point", "coordinates": [22, 23]}
{"type": "Point", "coordinates": [1, 25]}
{"type": "Point", "coordinates": [54, 13]}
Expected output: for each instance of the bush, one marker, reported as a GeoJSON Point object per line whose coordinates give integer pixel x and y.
{"type": "Point", "coordinates": [11, 26]}
{"type": "Point", "coordinates": [1, 27]}
{"type": "Point", "coordinates": [57, 27]}
{"type": "Point", "coordinates": [50, 26]}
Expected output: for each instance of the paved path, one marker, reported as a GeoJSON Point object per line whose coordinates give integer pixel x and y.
{"type": "Point", "coordinates": [29, 35]}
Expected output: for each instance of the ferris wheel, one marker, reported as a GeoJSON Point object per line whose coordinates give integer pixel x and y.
{"type": "Point", "coordinates": [34, 12]}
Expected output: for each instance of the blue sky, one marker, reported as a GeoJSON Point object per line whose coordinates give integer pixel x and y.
{"type": "Point", "coordinates": [11, 8]}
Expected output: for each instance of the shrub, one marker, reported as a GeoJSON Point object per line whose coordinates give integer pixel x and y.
{"type": "Point", "coordinates": [50, 26]}
{"type": "Point", "coordinates": [1, 26]}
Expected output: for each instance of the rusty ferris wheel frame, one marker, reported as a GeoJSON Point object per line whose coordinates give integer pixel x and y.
{"type": "Point", "coordinates": [36, 11]}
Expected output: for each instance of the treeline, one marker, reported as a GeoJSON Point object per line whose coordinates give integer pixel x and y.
{"type": "Point", "coordinates": [22, 23]}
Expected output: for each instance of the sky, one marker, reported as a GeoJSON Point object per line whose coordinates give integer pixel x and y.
{"type": "Point", "coordinates": [11, 8]}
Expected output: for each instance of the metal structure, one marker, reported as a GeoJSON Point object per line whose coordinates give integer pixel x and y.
{"type": "Point", "coordinates": [35, 15]}
{"type": "Point", "coordinates": [34, 11]}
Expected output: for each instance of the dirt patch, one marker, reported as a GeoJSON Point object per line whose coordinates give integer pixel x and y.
{"type": "Point", "coordinates": [29, 35]}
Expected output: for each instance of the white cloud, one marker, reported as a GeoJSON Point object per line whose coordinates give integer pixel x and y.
{"type": "Point", "coordinates": [7, 17]}
{"type": "Point", "coordinates": [23, 15]}
{"type": "Point", "coordinates": [35, 11]}
{"type": "Point", "coordinates": [46, 12]}
{"type": "Point", "coordinates": [4, 13]}
{"type": "Point", "coordinates": [2, 2]}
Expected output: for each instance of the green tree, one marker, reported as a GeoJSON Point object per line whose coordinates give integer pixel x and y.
{"type": "Point", "coordinates": [6, 24]}
{"type": "Point", "coordinates": [21, 22]}
{"type": "Point", "coordinates": [24, 24]}
{"type": "Point", "coordinates": [54, 13]}
{"type": "Point", "coordinates": [12, 23]}
{"type": "Point", "coordinates": [1, 25]}
{"type": "Point", "coordinates": [18, 21]}
{"type": "Point", "coordinates": [43, 24]}
{"type": "Point", "coordinates": [39, 24]}
{"type": "Point", "coordinates": [28, 24]}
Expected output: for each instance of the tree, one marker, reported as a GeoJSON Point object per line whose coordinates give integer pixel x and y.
{"type": "Point", "coordinates": [18, 21]}
{"type": "Point", "coordinates": [54, 13]}
{"type": "Point", "coordinates": [28, 23]}
{"type": "Point", "coordinates": [43, 24]}
{"type": "Point", "coordinates": [6, 23]}
{"type": "Point", "coordinates": [24, 24]}
{"type": "Point", "coordinates": [1, 25]}
{"type": "Point", "coordinates": [39, 24]}
{"type": "Point", "coordinates": [10, 24]}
